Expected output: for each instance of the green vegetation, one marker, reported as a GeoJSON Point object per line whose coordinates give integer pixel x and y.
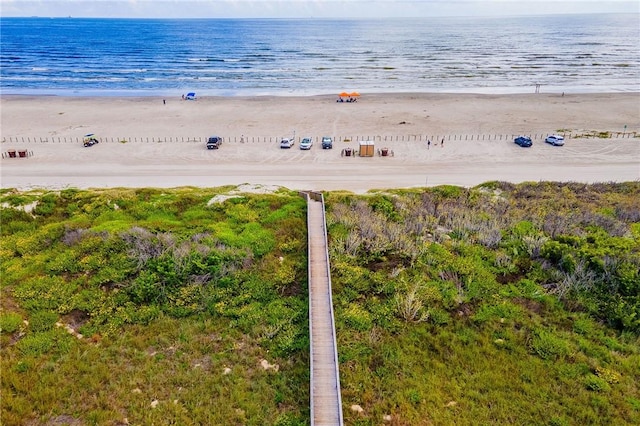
{"type": "Point", "coordinates": [596, 134]}
{"type": "Point", "coordinates": [500, 304]}
{"type": "Point", "coordinates": [154, 306]}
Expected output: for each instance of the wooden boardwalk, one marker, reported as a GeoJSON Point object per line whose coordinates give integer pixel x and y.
{"type": "Point", "coordinates": [326, 402]}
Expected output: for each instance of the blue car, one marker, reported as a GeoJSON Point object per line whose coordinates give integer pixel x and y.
{"type": "Point", "coordinates": [523, 141]}
{"type": "Point", "coordinates": [327, 142]}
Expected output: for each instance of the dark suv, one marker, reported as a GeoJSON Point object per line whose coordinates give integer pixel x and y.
{"type": "Point", "coordinates": [327, 142]}
{"type": "Point", "coordinates": [523, 141]}
{"type": "Point", "coordinates": [214, 142]}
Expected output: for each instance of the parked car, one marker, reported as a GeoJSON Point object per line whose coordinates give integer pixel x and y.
{"type": "Point", "coordinates": [327, 142]}
{"type": "Point", "coordinates": [214, 142]}
{"type": "Point", "coordinates": [523, 141]}
{"type": "Point", "coordinates": [286, 143]}
{"type": "Point", "coordinates": [555, 140]}
{"type": "Point", "coordinates": [306, 143]}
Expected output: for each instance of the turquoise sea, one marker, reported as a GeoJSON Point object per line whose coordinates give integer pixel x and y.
{"type": "Point", "coordinates": [226, 57]}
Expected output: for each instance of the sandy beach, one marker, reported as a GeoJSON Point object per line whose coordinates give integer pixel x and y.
{"type": "Point", "coordinates": [160, 142]}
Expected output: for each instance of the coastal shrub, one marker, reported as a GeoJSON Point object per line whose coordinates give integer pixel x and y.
{"type": "Point", "coordinates": [42, 321]}
{"type": "Point", "coordinates": [596, 384]}
{"type": "Point", "coordinates": [146, 314]}
{"type": "Point", "coordinates": [357, 317]}
{"type": "Point", "coordinates": [224, 306]}
{"type": "Point", "coordinates": [548, 345]}
{"type": "Point", "coordinates": [280, 325]}
{"type": "Point", "coordinates": [112, 221]}
{"type": "Point", "coordinates": [260, 240]}
{"type": "Point", "coordinates": [608, 375]}
{"type": "Point", "coordinates": [65, 262]}
{"type": "Point", "coordinates": [284, 274]}
{"type": "Point", "coordinates": [117, 266]}
{"type": "Point", "coordinates": [143, 289]}
{"type": "Point", "coordinates": [26, 243]}
{"type": "Point", "coordinates": [554, 250]}
{"type": "Point", "coordinates": [162, 221]}
{"type": "Point", "coordinates": [15, 220]}
{"type": "Point", "coordinates": [634, 403]}
{"type": "Point", "coordinates": [620, 313]}
{"type": "Point", "coordinates": [447, 191]}
{"type": "Point", "coordinates": [498, 312]}
{"type": "Point", "coordinates": [18, 199]}
{"type": "Point", "coordinates": [195, 215]}
{"type": "Point", "coordinates": [583, 326]}
{"type": "Point", "coordinates": [293, 209]}
{"type": "Point", "coordinates": [185, 301]}
{"type": "Point", "coordinates": [439, 317]}
{"type": "Point", "coordinates": [34, 344]}
{"type": "Point", "coordinates": [240, 213]}
{"type": "Point", "coordinates": [147, 194]}
{"type": "Point", "coordinates": [558, 421]}
{"type": "Point", "coordinates": [409, 305]}
{"type": "Point", "coordinates": [10, 322]}
{"type": "Point", "coordinates": [41, 293]}
{"type": "Point", "coordinates": [384, 205]}
{"type": "Point", "coordinates": [186, 200]}
{"type": "Point", "coordinates": [46, 205]}
{"type": "Point", "coordinates": [382, 312]}
{"type": "Point", "coordinates": [74, 235]}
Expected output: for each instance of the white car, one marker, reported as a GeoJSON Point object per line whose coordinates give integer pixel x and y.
{"type": "Point", "coordinates": [286, 143]}
{"type": "Point", "coordinates": [555, 140]}
{"type": "Point", "coordinates": [306, 143]}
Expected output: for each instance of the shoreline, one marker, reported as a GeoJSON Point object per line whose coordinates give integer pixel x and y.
{"type": "Point", "coordinates": [253, 93]}
{"type": "Point", "coordinates": [252, 126]}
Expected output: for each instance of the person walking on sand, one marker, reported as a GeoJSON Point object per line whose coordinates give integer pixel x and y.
{"type": "Point", "coordinates": [442, 143]}
{"type": "Point", "coordinates": [428, 143]}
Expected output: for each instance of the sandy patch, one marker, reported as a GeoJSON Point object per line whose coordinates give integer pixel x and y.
{"type": "Point", "coordinates": [477, 131]}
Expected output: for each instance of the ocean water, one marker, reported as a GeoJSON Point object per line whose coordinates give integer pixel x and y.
{"type": "Point", "coordinates": [226, 57]}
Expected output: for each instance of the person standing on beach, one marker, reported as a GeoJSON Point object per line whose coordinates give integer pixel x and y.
{"type": "Point", "coordinates": [442, 143]}
{"type": "Point", "coordinates": [428, 143]}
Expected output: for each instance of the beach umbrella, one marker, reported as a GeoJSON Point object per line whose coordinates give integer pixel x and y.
{"type": "Point", "coordinates": [344, 95]}
{"type": "Point", "coordinates": [354, 94]}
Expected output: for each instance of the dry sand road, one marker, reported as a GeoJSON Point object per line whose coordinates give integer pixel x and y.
{"type": "Point", "coordinates": [478, 146]}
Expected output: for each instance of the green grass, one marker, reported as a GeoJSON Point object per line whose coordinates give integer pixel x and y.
{"type": "Point", "coordinates": [167, 293]}
{"type": "Point", "coordinates": [179, 363]}
{"type": "Point", "coordinates": [500, 304]}
{"type": "Point", "coordinates": [501, 342]}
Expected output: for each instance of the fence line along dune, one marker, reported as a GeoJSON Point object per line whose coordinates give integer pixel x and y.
{"type": "Point", "coordinates": [316, 139]}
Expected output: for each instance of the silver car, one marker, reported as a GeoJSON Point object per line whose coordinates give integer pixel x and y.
{"type": "Point", "coordinates": [306, 143]}
{"type": "Point", "coordinates": [286, 143]}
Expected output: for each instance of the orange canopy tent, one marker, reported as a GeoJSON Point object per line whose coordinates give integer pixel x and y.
{"type": "Point", "coordinates": [354, 94]}
{"type": "Point", "coordinates": [344, 95]}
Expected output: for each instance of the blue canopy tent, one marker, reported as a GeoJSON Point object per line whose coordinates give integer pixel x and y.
{"type": "Point", "coordinates": [191, 96]}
